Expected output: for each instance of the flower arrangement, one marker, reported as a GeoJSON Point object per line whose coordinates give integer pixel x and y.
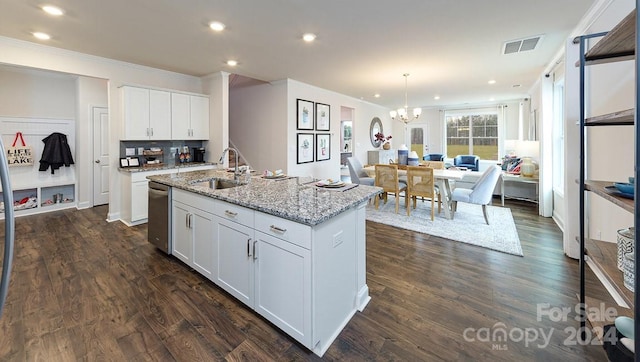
{"type": "Point", "coordinates": [380, 137]}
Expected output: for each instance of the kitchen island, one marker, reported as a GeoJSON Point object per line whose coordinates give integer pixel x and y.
{"type": "Point", "coordinates": [293, 252]}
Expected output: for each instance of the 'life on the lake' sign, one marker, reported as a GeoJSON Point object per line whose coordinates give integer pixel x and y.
{"type": "Point", "coordinates": [19, 155]}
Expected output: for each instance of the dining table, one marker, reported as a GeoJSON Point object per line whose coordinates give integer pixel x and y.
{"type": "Point", "coordinates": [442, 177]}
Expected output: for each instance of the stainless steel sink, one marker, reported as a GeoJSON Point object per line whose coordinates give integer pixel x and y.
{"type": "Point", "coordinates": [217, 184]}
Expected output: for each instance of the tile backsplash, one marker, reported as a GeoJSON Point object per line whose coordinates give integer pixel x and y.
{"type": "Point", "coordinates": [171, 149]}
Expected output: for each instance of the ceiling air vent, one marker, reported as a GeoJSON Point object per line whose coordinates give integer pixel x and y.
{"type": "Point", "coordinates": [521, 45]}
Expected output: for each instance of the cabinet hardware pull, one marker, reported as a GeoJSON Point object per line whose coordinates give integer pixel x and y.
{"type": "Point", "coordinates": [249, 247]}
{"type": "Point", "coordinates": [186, 220]}
{"type": "Point", "coordinates": [231, 213]}
{"type": "Point", "coordinates": [277, 229]}
{"type": "Point", "coordinates": [152, 131]}
{"type": "Point", "coordinates": [254, 250]}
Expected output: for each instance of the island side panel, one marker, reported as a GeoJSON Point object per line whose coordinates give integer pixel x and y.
{"type": "Point", "coordinates": [363, 297]}
{"type": "Point", "coordinates": [334, 264]}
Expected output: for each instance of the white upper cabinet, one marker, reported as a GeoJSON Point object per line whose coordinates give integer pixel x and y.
{"type": "Point", "coordinates": [151, 114]}
{"type": "Point", "coordinates": [189, 117]}
{"type": "Point", "coordinates": [199, 117]}
{"type": "Point", "coordinates": [147, 114]}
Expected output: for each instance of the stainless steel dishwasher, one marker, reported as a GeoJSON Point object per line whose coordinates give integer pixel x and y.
{"type": "Point", "coordinates": [159, 219]}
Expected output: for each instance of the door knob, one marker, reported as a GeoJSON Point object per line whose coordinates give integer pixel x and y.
{"type": "Point", "coordinates": [97, 161]}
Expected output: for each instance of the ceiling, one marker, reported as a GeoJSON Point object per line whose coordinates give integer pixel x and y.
{"type": "Point", "coordinates": [363, 47]}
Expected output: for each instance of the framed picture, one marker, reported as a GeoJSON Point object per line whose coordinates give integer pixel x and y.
{"type": "Point", "coordinates": [305, 147]}
{"type": "Point", "coordinates": [129, 162]}
{"type": "Point", "coordinates": [323, 147]}
{"type": "Point", "coordinates": [323, 117]}
{"type": "Point", "coordinates": [305, 114]}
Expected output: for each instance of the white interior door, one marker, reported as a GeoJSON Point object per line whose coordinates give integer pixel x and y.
{"type": "Point", "coordinates": [100, 156]}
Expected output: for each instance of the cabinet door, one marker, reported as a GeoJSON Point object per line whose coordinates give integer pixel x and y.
{"type": "Point", "coordinates": [182, 244]}
{"type": "Point", "coordinates": [135, 104]}
{"type": "Point", "coordinates": [159, 115]}
{"type": "Point", "coordinates": [139, 200]}
{"type": "Point", "coordinates": [180, 119]}
{"type": "Point", "coordinates": [199, 117]}
{"type": "Point", "coordinates": [283, 286]}
{"type": "Point", "coordinates": [203, 228]}
{"type": "Point", "coordinates": [235, 259]}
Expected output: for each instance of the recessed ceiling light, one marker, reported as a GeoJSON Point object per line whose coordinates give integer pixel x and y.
{"type": "Point", "coordinates": [492, 81]}
{"type": "Point", "coordinates": [377, 95]}
{"type": "Point", "coordinates": [309, 37]}
{"type": "Point", "coordinates": [516, 86]}
{"type": "Point", "coordinates": [436, 97]}
{"type": "Point", "coordinates": [52, 10]}
{"type": "Point", "coordinates": [42, 36]}
{"type": "Point", "coordinates": [491, 99]}
{"type": "Point", "coordinates": [216, 26]}
{"type": "Point", "coordinates": [232, 62]}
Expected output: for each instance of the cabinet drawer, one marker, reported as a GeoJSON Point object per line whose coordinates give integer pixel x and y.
{"type": "Point", "coordinates": [194, 200]}
{"type": "Point", "coordinates": [287, 230]}
{"type": "Point", "coordinates": [236, 213]}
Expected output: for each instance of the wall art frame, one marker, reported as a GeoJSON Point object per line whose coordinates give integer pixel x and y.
{"type": "Point", "coordinates": [305, 147]}
{"type": "Point", "coordinates": [323, 146]}
{"type": "Point", "coordinates": [323, 117]}
{"type": "Point", "coordinates": [305, 111]}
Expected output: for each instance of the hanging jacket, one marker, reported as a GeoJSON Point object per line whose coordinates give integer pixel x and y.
{"type": "Point", "coordinates": [56, 152]}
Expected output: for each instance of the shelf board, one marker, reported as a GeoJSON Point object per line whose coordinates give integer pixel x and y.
{"type": "Point", "coordinates": [598, 187]}
{"type": "Point", "coordinates": [605, 256]}
{"type": "Point", "coordinates": [621, 118]}
{"type": "Point", "coordinates": [618, 44]}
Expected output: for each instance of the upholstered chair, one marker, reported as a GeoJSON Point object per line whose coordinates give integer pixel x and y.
{"type": "Point", "coordinates": [433, 157]}
{"type": "Point", "coordinates": [472, 162]}
{"type": "Point", "coordinates": [481, 192]}
{"type": "Point", "coordinates": [420, 182]}
{"type": "Point", "coordinates": [357, 173]}
{"type": "Point", "coordinates": [387, 178]}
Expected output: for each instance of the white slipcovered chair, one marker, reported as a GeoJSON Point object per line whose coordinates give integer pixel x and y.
{"type": "Point", "coordinates": [481, 193]}
{"type": "Point", "coordinates": [357, 173]}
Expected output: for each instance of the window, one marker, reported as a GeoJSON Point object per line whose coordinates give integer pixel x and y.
{"type": "Point", "coordinates": [558, 137]}
{"type": "Point", "coordinates": [473, 133]}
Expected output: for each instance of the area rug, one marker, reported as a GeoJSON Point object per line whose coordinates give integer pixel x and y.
{"type": "Point", "coordinates": [468, 225]}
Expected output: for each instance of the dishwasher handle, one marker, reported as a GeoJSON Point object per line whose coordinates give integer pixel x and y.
{"type": "Point", "coordinates": [158, 189]}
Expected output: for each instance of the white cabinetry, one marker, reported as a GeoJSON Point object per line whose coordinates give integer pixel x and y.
{"type": "Point", "coordinates": [193, 228]}
{"type": "Point", "coordinates": [135, 194]}
{"type": "Point", "coordinates": [146, 113]}
{"type": "Point", "coordinates": [189, 117]}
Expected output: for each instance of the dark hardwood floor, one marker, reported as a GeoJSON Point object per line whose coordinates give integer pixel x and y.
{"type": "Point", "coordinates": [85, 289]}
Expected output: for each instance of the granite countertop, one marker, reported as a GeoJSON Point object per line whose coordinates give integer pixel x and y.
{"type": "Point", "coordinates": [294, 198]}
{"type": "Point", "coordinates": [166, 166]}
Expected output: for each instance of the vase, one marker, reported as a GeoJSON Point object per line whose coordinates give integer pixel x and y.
{"type": "Point", "coordinates": [527, 168]}
{"type": "Point", "coordinates": [386, 146]}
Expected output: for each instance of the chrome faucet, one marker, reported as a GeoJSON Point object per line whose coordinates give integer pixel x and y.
{"type": "Point", "coordinates": [236, 174]}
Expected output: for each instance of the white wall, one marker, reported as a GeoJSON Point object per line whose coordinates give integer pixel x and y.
{"type": "Point", "coordinates": [258, 126]}
{"type": "Point", "coordinates": [610, 149]}
{"type": "Point", "coordinates": [363, 113]}
{"type": "Point", "coordinates": [118, 73]}
{"type": "Point", "coordinates": [26, 92]}
{"type": "Point", "coordinates": [91, 92]}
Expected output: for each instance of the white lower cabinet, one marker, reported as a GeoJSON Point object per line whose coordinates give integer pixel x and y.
{"type": "Point", "coordinates": [302, 279]}
{"type": "Point", "coordinates": [193, 228]}
{"type": "Point", "coordinates": [282, 275]}
{"type": "Point", "coordinates": [234, 256]}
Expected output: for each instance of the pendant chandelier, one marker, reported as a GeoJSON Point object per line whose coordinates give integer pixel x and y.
{"type": "Point", "coordinates": [402, 114]}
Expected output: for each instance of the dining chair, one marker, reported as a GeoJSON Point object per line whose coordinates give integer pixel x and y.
{"type": "Point", "coordinates": [357, 173]}
{"type": "Point", "coordinates": [480, 193]}
{"type": "Point", "coordinates": [420, 182]}
{"type": "Point", "coordinates": [436, 165]}
{"type": "Point", "coordinates": [387, 178]}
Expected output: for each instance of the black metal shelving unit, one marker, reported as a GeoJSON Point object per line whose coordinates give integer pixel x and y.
{"type": "Point", "coordinates": [617, 45]}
